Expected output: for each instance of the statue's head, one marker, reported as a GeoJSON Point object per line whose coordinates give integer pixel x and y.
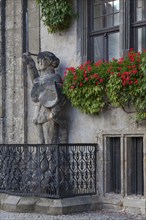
{"type": "Point", "coordinates": [46, 59]}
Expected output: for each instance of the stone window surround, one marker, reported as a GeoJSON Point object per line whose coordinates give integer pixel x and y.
{"type": "Point", "coordinates": [123, 160]}
{"type": "Point", "coordinates": [137, 203]}
{"type": "Point", "coordinates": [102, 157]}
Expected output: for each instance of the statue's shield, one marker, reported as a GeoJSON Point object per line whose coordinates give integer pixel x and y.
{"type": "Point", "coordinates": [49, 97]}
{"type": "Point", "coordinates": [46, 92]}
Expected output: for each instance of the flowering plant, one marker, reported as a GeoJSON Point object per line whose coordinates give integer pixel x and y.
{"type": "Point", "coordinates": [127, 82]}
{"type": "Point", "coordinates": [92, 86]}
{"type": "Point", "coordinates": [85, 86]}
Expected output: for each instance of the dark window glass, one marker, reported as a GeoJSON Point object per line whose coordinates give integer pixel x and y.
{"type": "Point", "coordinates": [113, 165]}
{"type": "Point", "coordinates": [113, 46]}
{"type": "Point", "coordinates": [140, 10]}
{"type": "Point", "coordinates": [141, 38]}
{"type": "Point", "coordinates": [135, 178]}
{"type": "Point", "coordinates": [139, 24]}
{"type": "Point", "coordinates": [106, 13]}
{"type": "Point", "coordinates": [104, 29]}
{"type": "Point", "coordinates": [98, 47]}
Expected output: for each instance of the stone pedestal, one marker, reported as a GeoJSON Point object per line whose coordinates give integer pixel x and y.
{"type": "Point", "coordinates": [49, 206]}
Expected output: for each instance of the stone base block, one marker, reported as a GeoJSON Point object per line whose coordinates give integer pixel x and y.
{"type": "Point", "coordinates": [68, 205]}
{"type": "Point", "coordinates": [135, 205]}
{"type": "Point", "coordinates": [10, 203]}
{"type": "Point", "coordinates": [50, 206]}
{"type": "Point", "coordinates": [27, 204]}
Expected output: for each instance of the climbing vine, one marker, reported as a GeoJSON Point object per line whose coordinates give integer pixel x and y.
{"type": "Point", "coordinates": [57, 15]}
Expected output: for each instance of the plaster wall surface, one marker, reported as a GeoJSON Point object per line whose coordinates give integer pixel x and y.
{"type": "Point", "coordinates": [84, 128]}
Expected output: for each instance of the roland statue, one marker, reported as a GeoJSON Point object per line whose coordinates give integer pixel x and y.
{"type": "Point", "coordinates": [47, 93]}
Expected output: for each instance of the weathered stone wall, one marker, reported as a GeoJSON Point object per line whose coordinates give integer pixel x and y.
{"type": "Point", "coordinates": [1, 79]}
{"type": "Point", "coordinates": [13, 111]}
{"type": "Point", "coordinates": [34, 47]}
{"type": "Point", "coordinates": [14, 90]}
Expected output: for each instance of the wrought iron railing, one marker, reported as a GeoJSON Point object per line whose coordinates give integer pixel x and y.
{"type": "Point", "coordinates": [53, 171]}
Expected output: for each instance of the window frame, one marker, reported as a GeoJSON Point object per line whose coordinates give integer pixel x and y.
{"type": "Point", "coordinates": [126, 28]}
{"type": "Point", "coordinates": [109, 184]}
{"type": "Point", "coordinates": [135, 25]}
{"type": "Point", "coordinates": [102, 32]}
{"type": "Point", "coordinates": [124, 178]}
{"type": "Point", "coordinates": [126, 165]}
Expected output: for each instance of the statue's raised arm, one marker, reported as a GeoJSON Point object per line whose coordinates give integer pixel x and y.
{"type": "Point", "coordinates": [28, 60]}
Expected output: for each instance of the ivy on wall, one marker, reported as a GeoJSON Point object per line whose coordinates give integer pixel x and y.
{"type": "Point", "coordinates": [57, 15]}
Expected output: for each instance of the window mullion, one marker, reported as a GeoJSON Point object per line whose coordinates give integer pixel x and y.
{"type": "Point", "coordinates": [125, 26]}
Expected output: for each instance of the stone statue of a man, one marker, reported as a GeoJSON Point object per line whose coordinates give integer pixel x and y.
{"type": "Point", "coordinates": [47, 93]}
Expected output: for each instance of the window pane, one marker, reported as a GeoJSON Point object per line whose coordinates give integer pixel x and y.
{"type": "Point", "coordinates": [141, 10]}
{"type": "Point", "coordinates": [141, 38]}
{"type": "Point", "coordinates": [139, 3]}
{"type": "Point", "coordinates": [97, 11]}
{"type": "Point", "coordinates": [116, 19]}
{"type": "Point", "coordinates": [107, 11]}
{"type": "Point", "coordinates": [139, 14]}
{"type": "Point", "coordinates": [113, 162]}
{"type": "Point", "coordinates": [116, 6]}
{"type": "Point", "coordinates": [113, 48]}
{"type": "Point", "coordinates": [109, 8]}
{"type": "Point", "coordinates": [144, 13]}
{"type": "Point", "coordinates": [98, 23]}
{"type": "Point", "coordinates": [98, 48]}
{"type": "Point", "coordinates": [135, 178]}
{"type": "Point", "coordinates": [110, 20]}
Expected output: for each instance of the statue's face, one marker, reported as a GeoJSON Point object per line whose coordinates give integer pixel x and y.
{"type": "Point", "coordinates": [43, 64]}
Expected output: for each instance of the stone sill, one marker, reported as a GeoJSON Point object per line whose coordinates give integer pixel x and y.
{"type": "Point", "coordinates": [133, 204]}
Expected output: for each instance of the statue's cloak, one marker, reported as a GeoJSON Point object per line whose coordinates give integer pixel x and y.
{"type": "Point", "coordinates": [47, 90]}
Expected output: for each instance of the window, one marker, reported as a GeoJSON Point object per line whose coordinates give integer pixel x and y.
{"type": "Point", "coordinates": [113, 168]}
{"type": "Point", "coordinates": [135, 165]}
{"type": "Point", "coordinates": [113, 27]}
{"type": "Point", "coordinates": [104, 29]}
{"type": "Point", "coordinates": [139, 24]}
{"type": "Point", "coordinates": [124, 165]}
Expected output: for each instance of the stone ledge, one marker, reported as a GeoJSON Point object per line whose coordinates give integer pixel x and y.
{"type": "Point", "coordinates": [69, 205]}
{"type": "Point", "coordinates": [134, 202]}
{"type": "Point", "coordinates": [49, 206]}
{"type": "Point", "coordinates": [27, 204]}
{"type": "Point", "coordinates": [135, 205]}
{"type": "Point", "coordinates": [10, 203]}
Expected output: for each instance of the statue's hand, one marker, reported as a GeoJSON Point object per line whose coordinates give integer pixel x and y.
{"type": "Point", "coordinates": [35, 121]}
{"type": "Point", "coordinates": [27, 59]}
